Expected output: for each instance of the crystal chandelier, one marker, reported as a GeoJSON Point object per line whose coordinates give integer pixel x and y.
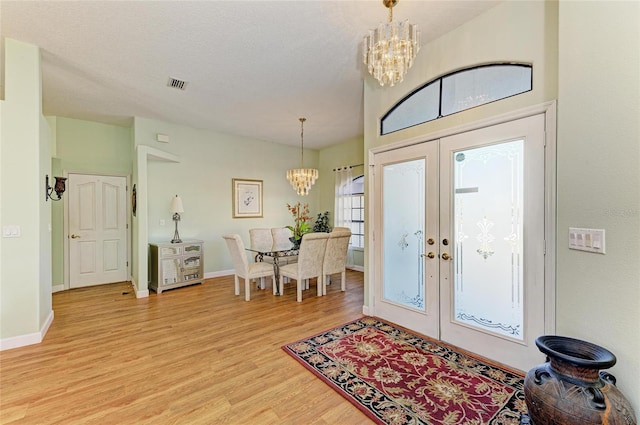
{"type": "Point", "coordinates": [302, 179]}
{"type": "Point", "coordinates": [389, 50]}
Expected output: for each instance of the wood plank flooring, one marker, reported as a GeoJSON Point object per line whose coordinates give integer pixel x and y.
{"type": "Point", "coordinates": [193, 355]}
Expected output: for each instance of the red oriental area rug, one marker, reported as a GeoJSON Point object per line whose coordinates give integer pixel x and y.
{"type": "Point", "coordinates": [396, 377]}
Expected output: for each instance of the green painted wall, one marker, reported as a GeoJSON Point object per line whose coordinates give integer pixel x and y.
{"type": "Point", "coordinates": [84, 147]}
{"type": "Point", "coordinates": [25, 263]}
{"type": "Point", "coordinates": [571, 45]}
{"type": "Point", "coordinates": [350, 152]}
{"type": "Point", "coordinates": [207, 163]}
{"type": "Point", "coordinates": [598, 296]}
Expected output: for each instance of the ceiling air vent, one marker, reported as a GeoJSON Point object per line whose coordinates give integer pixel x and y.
{"type": "Point", "coordinates": [178, 84]}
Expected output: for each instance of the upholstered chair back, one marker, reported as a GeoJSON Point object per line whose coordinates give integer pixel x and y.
{"type": "Point", "coordinates": [260, 239]}
{"type": "Point", "coordinates": [335, 255]}
{"type": "Point", "coordinates": [280, 236]}
{"type": "Point", "coordinates": [238, 254]}
{"type": "Point", "coordinates": [311, 255]}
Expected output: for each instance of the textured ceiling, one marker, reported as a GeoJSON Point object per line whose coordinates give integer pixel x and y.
{"type": "Point", "coordinates": [253, 67]}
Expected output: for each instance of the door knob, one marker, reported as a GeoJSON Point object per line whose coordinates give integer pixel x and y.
{"type": "Point", "coordinates": [446, 256]}
{"type": "Point", "coordinates": [430, 241]}
{"type": "Point", "coordinates": [75, 236]}
{"type": "Point", "coordinates": [430, 255]}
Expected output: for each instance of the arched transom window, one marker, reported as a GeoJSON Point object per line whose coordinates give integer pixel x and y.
{"type": "Point", "coordinates": [458, 91]}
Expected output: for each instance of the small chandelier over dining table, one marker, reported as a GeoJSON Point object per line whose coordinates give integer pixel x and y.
{"type": "Point", "coordinates": [389, 50]}
{"type": "Point", "coordinates": [302, 179]}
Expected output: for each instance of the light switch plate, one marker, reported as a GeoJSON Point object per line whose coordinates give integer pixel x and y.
{"type": "Point", "coordinates": [590, 240]}
{"type": "Point", "coordinates": [11, 231]}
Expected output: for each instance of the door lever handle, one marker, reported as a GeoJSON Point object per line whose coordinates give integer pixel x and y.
{"type": "Point", "coordinates": [75, 236]}
{"type": "Point", "coordinates": [446, 256]}
{"type": "Point", "coordinates": [430, 255]}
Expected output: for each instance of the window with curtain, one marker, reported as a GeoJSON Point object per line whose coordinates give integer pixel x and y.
{"type": "Point", "coordinates": [349, 202]}
{"type": "Point", "coordinates": [357, 212]}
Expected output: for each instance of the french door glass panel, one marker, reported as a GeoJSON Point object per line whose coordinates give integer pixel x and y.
{"type": "Point", "coordinates": [487, 211]}
{"type": "Point", "coordinates": [403, 233]}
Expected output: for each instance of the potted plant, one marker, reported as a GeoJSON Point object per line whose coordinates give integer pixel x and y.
{"type": "Point", "coordinates": [322, 223]}
{"type": "Point", "coordinates": [301, 217]}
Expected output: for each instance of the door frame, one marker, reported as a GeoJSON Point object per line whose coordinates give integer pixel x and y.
{"type": "Point", "coordinates": [549, 111]}
{"type": "Point", "coordinates": [65, 215]}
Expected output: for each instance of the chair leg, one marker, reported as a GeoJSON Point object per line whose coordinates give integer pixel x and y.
{"type": "Point", "coordinates": [320, 285]}
{"type": "Point", "coordinates": [343, 280]}
{"type": "Point", "coordinates": [281, 284]}
{"type": "Point", "coordinates": [262, 286]}
{"type": "Point", "coordinates": [274, 284]}
{"type": "Point", "coordinates": [324, 284]}
{"type": "Point", "coordinates": [247, 289]}
{"type": "Point", "coordinates": [299, 284]}
{"type": "Point", "coordinates": [237, 284]}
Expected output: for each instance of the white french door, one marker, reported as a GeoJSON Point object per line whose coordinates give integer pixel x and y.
{"type": "Point", "coordinates": [97, 230]}
{"type": "Point", "coordinates": [459, 245]}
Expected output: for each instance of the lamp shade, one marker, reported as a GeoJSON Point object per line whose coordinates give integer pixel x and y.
{"type": "Point", "coordinates": [176, 205]}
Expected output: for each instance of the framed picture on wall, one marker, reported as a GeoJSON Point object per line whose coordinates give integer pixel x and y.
{"type": "Point", "coordinates": [247, 198]}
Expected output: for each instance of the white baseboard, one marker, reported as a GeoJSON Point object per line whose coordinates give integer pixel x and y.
{"type": "Point", "coordinates": [219, 273]}
{"type": "Point", "coordinates": [57, 288]}
{"type": "Point", "coordinates": [356, 268]}
{"type": "Point", "coordinates": [28, 339]}
{"type": "Point", "coordinates": [139, 293]}
{"type": "Point", "coordinates": [365, 310]}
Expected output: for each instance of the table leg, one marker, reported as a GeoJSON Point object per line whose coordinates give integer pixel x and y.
{"type": "Point", "coordinates": [276, 273]}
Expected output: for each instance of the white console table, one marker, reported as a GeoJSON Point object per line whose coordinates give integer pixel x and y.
{"type": "Point", "coordinates": [176, 264]}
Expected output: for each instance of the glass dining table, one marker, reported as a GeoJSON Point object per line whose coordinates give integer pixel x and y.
{"type": "Point", "coordinates": [276, 255]}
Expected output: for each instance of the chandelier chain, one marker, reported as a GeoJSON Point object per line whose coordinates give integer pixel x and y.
{"type": "Point", "coordinates": [302, 120]}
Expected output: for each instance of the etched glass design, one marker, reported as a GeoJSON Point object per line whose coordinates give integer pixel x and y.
{"type": "Point", "coordinates": [473, 87]}
{"type": "Point", "coordinates": [488, 238]}
{"type": "Point", "coordinates": [421, 106]}
{"type": "Point", "coordinates": [403, 215]}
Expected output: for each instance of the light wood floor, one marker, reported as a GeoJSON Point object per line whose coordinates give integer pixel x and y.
{"type": "Point", "coordinates": [193, 355]}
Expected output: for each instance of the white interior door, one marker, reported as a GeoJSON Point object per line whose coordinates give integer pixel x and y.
{"type": "Point", "coordinates": [97, 230]}
{"type": "Point", "coordinates": [487, 271]}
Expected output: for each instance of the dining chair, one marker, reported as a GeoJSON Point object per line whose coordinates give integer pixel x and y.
{"type": "Point", "coordinates": [341, 229]}
{"type": "Point", "coordinates": [280, 236]}
{"type": "Point", "coordinates": [246, 270]}
{"type": "Point", "coordinates": [335, 257]}
{"type": "Point", "coordinates": [309, 263]}
{"type": "Point", "coordinates": [260, 239]}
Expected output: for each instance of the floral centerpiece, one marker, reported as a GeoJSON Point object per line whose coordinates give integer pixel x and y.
{"type": "Point", "coordinates": [301, 217]}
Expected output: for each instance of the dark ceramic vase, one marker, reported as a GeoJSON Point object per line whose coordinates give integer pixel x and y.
{"type": "Point", "coordinates": [295, 242]}
{"type": "Point", "coordinates": [571, 389]}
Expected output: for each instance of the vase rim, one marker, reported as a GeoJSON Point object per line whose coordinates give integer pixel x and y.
{"type": "Point", "coordinates": [576, 351]}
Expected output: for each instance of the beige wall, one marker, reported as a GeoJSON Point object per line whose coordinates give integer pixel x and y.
{"type": "Point", "coordinates": [598, 296]}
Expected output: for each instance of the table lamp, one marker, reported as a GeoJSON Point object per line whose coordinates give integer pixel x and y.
{"type": "Point", "coordinates": [176, 209]}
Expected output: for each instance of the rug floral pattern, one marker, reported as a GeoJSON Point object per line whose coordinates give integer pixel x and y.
{"type": "Point", "coordinates": [397, 378]}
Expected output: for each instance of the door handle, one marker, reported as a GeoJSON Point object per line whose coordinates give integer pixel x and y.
{"type": "Point", "coordinates": [446, 256]}
{"type": "Point", "coordinates": [75, 236]}
{"type": "Point", "coordinates": [430, 255]}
